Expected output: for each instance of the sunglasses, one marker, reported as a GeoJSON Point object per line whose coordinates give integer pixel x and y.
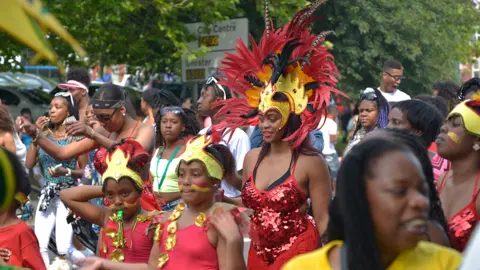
{"type": "Point", "coordinates": [104, 118]}
{"type": "Point", "coordinates": [368, 96]}
{"type": "Point", "coordinates": [213, 80]}
{"type": "Point", "coordinates": [65, 95]}
{"type": "Point", "coordinates": [397, 78]}
{"type": "Point", "coordinates": [173, 109]}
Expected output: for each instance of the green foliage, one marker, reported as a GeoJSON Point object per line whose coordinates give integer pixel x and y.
{"type": "Point", "coordinates": [430, 38]}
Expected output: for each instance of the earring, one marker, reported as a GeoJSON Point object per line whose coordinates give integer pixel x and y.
{"type": "Point", "coordinates": [476, 147]}
{"type": "Point", "coordinates": [123, 114]}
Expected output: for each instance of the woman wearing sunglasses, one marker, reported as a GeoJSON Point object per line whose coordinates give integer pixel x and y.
{"type": "Point", "coordinates": [109, 106]}
{"type": "Point", "coordinates": [59, 175]}
{"type": "Point", "coordinates": [373, 112]}
{"type": "Point", "coordinates": [175, 126]}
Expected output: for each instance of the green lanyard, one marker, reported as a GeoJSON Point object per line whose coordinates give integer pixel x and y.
{"type": "Point", "coordinates": [172, 157]}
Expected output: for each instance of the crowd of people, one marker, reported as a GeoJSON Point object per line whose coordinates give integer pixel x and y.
{"type": "Point", "coordinates": [251, 179]}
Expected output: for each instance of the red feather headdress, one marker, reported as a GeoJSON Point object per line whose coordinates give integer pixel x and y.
{"type": "Point", "coordinates": [288, 60]}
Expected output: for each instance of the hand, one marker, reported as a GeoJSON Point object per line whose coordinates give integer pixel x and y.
{"type": "Point", "coordinates": [226, 226]}
{"type": "Point", "coordinates": [93, 123]}
{"type": "Point", "coordinates": [77, 128]}
{"type": "Point", "coordinates": [28, 127]}
{"type": "Point", "coordinates": [42, 122]}
{"type": "Point", "coordinates": [5, 254]}
{"type": "Point", "coordinates": [18, 124]}
{"type": "Point", "coordinates": [91, 263]}
{"type": "Point", "coordinates": [57, 172]}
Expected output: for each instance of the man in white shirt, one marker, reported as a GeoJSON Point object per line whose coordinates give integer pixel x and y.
{"type": "Point", "coordinates": [330, 132]}
{"type": "Point", "coordinates": [392, 76]}
{"type": "Point", "coordinates": [238, 142]}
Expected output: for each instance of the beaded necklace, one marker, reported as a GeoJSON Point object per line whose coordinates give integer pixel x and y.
{"type": "Point", "coordinates": [172, 228]}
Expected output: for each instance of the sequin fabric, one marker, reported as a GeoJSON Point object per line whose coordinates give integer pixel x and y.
{"type": "Point", "coordinates": [461, 227]}
{"type": "Point", "coordinates": [276, 221]}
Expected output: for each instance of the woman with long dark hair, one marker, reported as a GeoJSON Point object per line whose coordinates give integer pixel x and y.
{"type": "Point", "coordinates": [59, 175]}
{"type": "Point", "coordinates": [373, 111]}
{"type": "Point", "coordinates": [175, 126]}
{"type": "Point", "coordinates": [380, 215]}
{"type": "Point", "coordinates": [285, 83]}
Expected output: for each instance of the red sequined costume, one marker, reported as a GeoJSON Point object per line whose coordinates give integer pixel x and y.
{"type": "Point", "coordinates": [462, 224]}
{"type": "Point", "coordinates": [291, 72]}
{"type": "Point", "coordinates": [279, 231]}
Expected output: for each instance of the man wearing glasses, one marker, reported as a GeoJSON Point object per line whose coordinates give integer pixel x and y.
{"type": "Point", "coordinates": [392, 76]}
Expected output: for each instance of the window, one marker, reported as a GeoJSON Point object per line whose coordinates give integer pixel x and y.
{"type": "Point", "coordinates": [9, 98]}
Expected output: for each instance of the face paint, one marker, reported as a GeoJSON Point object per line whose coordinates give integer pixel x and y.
{"type": "Point", "coordinates": [453, 137]}
{"type": "Point", "coordinates": [126, 204]}
{"type": "Point", "coordinates": [201, 187]}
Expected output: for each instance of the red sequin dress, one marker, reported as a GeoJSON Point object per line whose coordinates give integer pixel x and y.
{"type": "Point", "coordinates": [440, 166]}
{"type": "Point", "coordinates": [462, 224]}
{"type": "Point", "coordinates": [278, 230]}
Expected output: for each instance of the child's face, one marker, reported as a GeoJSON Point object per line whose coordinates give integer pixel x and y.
{"type": "Point", "coordinates": [195, 185]}
{"type": "Point", "coordinates": [122, 195]}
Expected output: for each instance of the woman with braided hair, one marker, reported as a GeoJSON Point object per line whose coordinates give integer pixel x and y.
{"type": "Point", "coordinates": [373, 110]}
{"type": "Point", "coordinates": [175, 126]}
{"type": "Point", "coordinates": [284, 86]}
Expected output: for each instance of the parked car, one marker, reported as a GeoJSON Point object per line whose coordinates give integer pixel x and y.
{"type": "Point", "coordinates": [33, 81]}
{"type": "Point", "coordinates": [18, 98]}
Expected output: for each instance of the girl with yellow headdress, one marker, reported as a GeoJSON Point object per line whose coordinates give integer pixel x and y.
{"type": "Point", "coordinates": [122, 219]}
{"type": "Point", "coordinates": [459, 142]}
{"type": "Point", "coordinates": [198, 234]}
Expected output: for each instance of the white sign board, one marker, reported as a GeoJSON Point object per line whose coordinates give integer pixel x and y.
{"type": "Point", "coordinates": [220, 37]}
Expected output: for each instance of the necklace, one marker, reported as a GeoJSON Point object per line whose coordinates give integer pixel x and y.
{"type": "Point", "coordinates": [172, 157]}
{"type": "Point", "coordinates": [172, 228]}
{"type": "Point", "coordinates": [118, 238]}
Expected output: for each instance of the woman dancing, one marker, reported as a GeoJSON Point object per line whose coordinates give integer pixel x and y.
{"type": "Point", "coordinates": [51, 212]}
{"type": "Point", "coordinates": [286, 80]}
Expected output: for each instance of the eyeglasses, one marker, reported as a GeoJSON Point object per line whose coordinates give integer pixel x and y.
{"type": "Point", "coordinates": [65, 94]}
{"type": "Point", "coordinates": [397, 78]}
{"type": "Point", "coordinates": [173, 109]}
{"type": "Point", "coordinates": [211, 81]}
{"type": "Point", "coordinates": [105, 117]}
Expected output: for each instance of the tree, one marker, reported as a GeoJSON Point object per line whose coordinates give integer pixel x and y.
{"type": "Point", "coordinates": [429, 38]}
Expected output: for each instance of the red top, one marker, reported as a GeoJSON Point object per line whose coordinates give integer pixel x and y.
{"type": "Point", "coordinates": [191, 251]}
{"type": "Point", "coordinates": [138, 243]}
{"type": "Point", "coordinates": [22, 242]}
{"type": "Point", "coordinates": [276, 221]}
{"type": "Point", "coordinates": [462, 224]}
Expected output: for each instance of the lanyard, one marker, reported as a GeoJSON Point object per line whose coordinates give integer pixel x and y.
{"type": "Point", "coordinates": [172, 157]}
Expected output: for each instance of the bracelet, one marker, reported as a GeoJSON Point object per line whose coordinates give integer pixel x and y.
{"type": "Point", "coordinates": [69, 172]}
{"type": "Point", "coordinates": [35, 138]}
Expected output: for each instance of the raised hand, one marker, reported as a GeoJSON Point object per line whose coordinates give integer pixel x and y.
{"type": "Point", "coordinates": [42, 121]}
{"type": "Point", "coordinates": [77, 128]}
{"type": "Point", "coordinates": [226, 226]}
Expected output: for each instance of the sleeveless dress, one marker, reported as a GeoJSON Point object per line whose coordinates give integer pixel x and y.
{"type": "Point", "coordinates": [54, 184]}
{"type": "Point", "coordinates": [138, 243]}
{"type": "Point", "coordinates": [278, 230]}
{"type": "Point", "coordinates": [462, 224]}
{"type": "Point", "coordinates": [192, 250]}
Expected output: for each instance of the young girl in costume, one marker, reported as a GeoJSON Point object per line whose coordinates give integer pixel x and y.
{"type": "Point", "coordinates": [124, 223]}
{"type": "Point", "coordinates": [197, 234]}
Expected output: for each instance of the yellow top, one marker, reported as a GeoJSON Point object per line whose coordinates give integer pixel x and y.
{"type": "Point", "coordinates": [425, 256]}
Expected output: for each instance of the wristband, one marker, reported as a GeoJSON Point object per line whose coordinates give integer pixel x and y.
{"type": "Point", "coordinates": [69, 173]}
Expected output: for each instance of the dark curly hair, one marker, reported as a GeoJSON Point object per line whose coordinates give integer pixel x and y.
{"type": "Point", "coordinates": [79, 74]}
{"type": "Point", "coordinates": [188, 118]}
{"type": "Point", "coordinates": [223, 155]}
{"type": "Point", "coordinates": [448, 91]}
{"type": "Point", "coordinates": [165, 98]}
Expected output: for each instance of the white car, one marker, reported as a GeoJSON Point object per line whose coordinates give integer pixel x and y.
{"type": "Point", "coordinates": [17, 98]}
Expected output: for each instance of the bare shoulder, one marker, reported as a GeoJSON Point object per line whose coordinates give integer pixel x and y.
{"type": "Point", "coordinates": [312, 161]}
{"type": "Point", "coordinates": [252, 154]}
{"type": "Point", "coordinates": [145, 126]}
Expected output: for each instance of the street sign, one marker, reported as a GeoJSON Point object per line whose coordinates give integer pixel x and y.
{"type": "Point", "coordinates": [219, 38]}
